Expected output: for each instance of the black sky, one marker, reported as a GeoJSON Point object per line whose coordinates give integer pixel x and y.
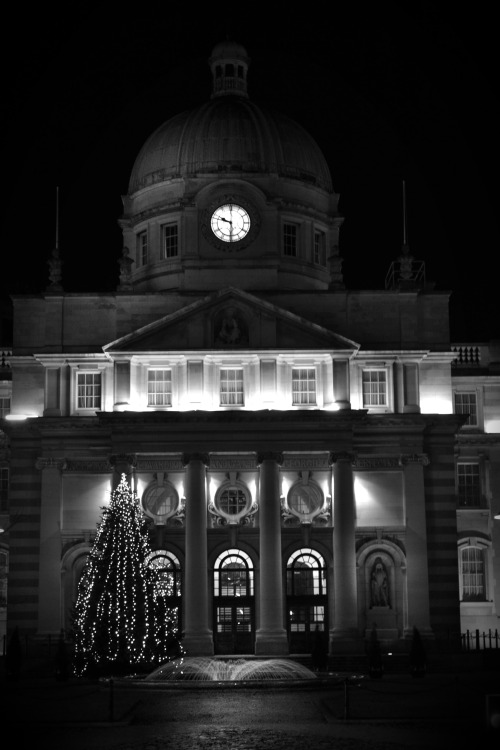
{"type": "Point", "coordinates": [388, 92]}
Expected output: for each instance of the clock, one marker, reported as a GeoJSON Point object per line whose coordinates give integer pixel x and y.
{"type": "Point", "coordinates": [230, 222]}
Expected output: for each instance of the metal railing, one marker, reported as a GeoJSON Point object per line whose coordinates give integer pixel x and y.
{"type": "Point", "coordinates": [477, 641]}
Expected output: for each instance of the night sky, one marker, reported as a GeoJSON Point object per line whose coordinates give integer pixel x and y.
{"type": "Point", "coordinates": [391, 95]}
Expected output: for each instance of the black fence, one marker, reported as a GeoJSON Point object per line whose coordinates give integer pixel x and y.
{"type": "Point", "coordinates": [474, 640]}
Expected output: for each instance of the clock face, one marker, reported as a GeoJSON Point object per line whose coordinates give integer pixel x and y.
{"type": "Point", "coordinates": [230, 222]}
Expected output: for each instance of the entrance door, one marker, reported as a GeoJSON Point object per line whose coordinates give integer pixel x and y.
{"type": "Point", "coordinates": [234, 629]}
{"type": "Point", "coordinates": [307, 599]}
{"type": "Point", "coordinates": [233, 603]}
{"type": "Point", "coordinates": [303, 619]}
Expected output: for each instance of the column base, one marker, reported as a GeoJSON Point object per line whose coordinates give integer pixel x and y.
{"type": "Point", "coordinates": [346, 642]}
{"type": "Point", "coordinates": [271, 643]}
{"type": "Point", "coordinates": [198, 644]}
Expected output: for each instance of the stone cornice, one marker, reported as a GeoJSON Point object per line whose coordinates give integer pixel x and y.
{"type": "Point", "coordinates": [263, 416]}
{"type": "Point", "coordinates": [478, 439]}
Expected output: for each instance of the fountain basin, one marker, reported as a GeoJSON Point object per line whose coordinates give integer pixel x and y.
{"type": "Point", "coordinates": [205, 672]}
{"type": "Point", "coordinates": [213, 669]}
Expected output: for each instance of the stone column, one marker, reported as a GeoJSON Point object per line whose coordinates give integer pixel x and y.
{"type": "Point", "coordinates": [123, 464]}
{"type": "Point", "coordinates": [345, 633]}
{"type": "Point", "coordinates": [270, 638]}
{"type": "Point", "coordinates": [197, 640]}
{"type": "Point", "coordinates": [417, 573]}
{"type": "Point", "coordinates": [50, 617]}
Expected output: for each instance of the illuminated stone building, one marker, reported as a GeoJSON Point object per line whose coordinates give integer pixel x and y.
{"type": "Point", "coordinates": [292, 442]}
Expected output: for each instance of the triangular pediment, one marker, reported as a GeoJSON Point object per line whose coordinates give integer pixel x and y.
{"type": "Point", "coordinates": [230, 319]}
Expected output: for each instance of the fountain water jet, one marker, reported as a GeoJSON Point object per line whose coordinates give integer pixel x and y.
{"type": "Point", "coordinates": [206, 669]}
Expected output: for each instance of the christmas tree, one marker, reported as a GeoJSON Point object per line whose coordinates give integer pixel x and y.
{"type": "Point", "coordinates": [114, 612]}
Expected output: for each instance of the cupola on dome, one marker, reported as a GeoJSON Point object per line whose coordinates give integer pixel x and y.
{"type": "Point", "coordinates": [230, 133]}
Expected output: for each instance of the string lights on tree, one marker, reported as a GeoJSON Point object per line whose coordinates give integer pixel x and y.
{"type": "Point", "coordinates": [121, 622]}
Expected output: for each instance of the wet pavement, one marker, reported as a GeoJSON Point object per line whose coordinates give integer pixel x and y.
{"type": "Point", "coordinates": [345, 712]}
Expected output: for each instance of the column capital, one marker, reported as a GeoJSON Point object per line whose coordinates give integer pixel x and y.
{"type": "Point", "coordinates": [270, 456]}
{"type": "Point", "coordinates": [203, 457]}
{"type": "Point", "coordinates": [123, 458]}
{"type": "Point", "coordinates": [342, 456]}
{"type": "Point", "coordinates": [50, 463]}
{"type": "Point", "coordinates": [414, 458]}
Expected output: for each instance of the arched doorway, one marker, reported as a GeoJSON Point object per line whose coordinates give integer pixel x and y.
{"type": "Point", "coordinates": [307, 599]}
{"type": "Point", "coordinates": [165, 569]}
{"type": "Point", "coordinates": [234, 626]}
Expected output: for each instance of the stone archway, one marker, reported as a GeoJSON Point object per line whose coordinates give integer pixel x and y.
{"type": "Point", "coordinates": [72, 565]}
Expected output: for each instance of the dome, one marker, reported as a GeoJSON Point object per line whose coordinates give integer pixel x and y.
{"type": "Point", "coordinates": [230, 155]}
{"type": "Point", "coordinates": [230, 134]}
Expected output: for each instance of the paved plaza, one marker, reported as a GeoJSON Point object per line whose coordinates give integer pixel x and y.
{"type": "Point", "coordinates": [347, 712]}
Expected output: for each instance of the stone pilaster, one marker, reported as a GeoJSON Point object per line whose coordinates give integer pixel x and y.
{"type": "Point", "coordinates": [417, 572]}
{"type": "Point", "coordinates": [50, 616]}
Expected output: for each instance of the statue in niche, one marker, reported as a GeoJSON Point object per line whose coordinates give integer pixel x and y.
{"type": "Point", "coordinates": [379, 585]}
{"type": "Point", "coordinates": [231, 329]}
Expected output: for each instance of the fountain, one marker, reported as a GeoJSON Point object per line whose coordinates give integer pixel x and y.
{"type": "Point", "coordinates": [208, 669]}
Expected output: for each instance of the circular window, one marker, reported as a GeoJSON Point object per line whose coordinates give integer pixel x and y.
{"type": "Point", "coordinates": [305, 500]}
{"type": "Point", "coordinates": [232, 501]}
{"type": "Point", "coordinates": [160, 502]}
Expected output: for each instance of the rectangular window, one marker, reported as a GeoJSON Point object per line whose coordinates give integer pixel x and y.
{"type": "Point", "coordinates": [4, 406]}
{"type": "Point", "coordinates": [231, 387]}
{"type": "Point", "coordinates": [473, 583]}
{"type": "Point", "coordinates": [159, 388]}
{"type": "Point", "coordinates": [374, 388]}
{"type": "Point", "coordinates": [466, 403]}
{"type": "Point", "coordinates": [4, 489]}
{"type": "Point", "coordinates": [89, 390]}
{"type": "Point", "coordinates": [469, 485]}
{"type": "Point", "coordinates": [303, 385]}
{"type": "Point", "coordinates": [170, 241]}
{"type": "Point", "coordinates": [290, 240]}
{"type": "Point", "coordinates": [320, 248]}
{"type": "Point", "coordinates": [224, 620]}
{"type": "Point", "coordinates": [142, 248]}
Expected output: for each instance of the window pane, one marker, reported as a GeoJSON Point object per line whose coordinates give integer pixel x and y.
{"type": "Point", "coordinates": [290, 240]}
{"type": "Point", "coordinates": [374, 388]}
{"type": "Point", "coordinates": [306, 575]}
{"type": "Point", "coordinates": [159, 388]}
{"type": "Point", "coordinates": [319, 248]}
{"type": "Point", "coordinates": [142, 248]}
{"type": "Point", "coordinates": [243, 620]}
{"type": "Point", "coordinates": [224, 620]}
{"type": "Point", "coordinates": [304, 385]}
{"type": "Point", "coordinates": [89, 390]}
{"type": "Point", "coordinates": [231, 387]}
{"type": "Point", "coordinates": [473, 584]}
{"type": "Point", "coordinates": [466, 403]}
{"type": "Point", "coordinates": [4, 406]}
{"type": "Point", "coordinates": [469, 486]}
{"type": "Point", "coordinates": [232, 501]}
{"type": "Point", "coordinates": [170, 241]}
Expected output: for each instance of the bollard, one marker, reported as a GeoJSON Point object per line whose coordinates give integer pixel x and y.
{"type": "Point", "coordinates": [346, 699]}
{"type": "Point", "coordinates": [111, 700]}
